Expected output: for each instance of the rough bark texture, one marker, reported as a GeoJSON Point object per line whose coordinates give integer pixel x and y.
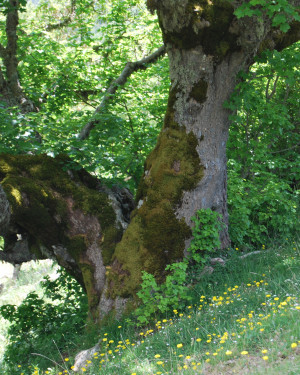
{"type": "Point", "coordinates": [48, 212]}
{"type": "Point", "coordinates": [207, 46]}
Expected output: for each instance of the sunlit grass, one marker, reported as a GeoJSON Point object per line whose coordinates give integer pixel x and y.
{"type": "Point", "coordinates": [244, 319]}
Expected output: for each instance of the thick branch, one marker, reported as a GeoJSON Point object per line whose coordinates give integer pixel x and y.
{"type": "Point", "coordinates": [130, 67]}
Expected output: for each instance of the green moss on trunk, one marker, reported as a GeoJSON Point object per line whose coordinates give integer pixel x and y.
{"type": "Point", "coordinates": [199, 91]}
{"type": "Point", "coordinates": [50, 205]}
{"type": "Point", "coordinates": [209, 27]}
{"type": "Point", "coordinates": [155, 236]}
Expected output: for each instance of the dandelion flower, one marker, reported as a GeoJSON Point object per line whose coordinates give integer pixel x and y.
{"type": "Point", "coordinates": [294, 345]}
{"type": "Point", "coordinates": [179, 345]}
{"type": "Point", "coordinates": [157, 356]}
{"type": "Point", "coordinates": [265, 357]}
{"type": "Point", "coordinates": [244, 352]}
{"type": "Point", "coordinates": [228, 352]}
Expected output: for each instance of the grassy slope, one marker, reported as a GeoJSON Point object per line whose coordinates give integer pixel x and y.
{"type": "Point", "coordinates": [244, 320]}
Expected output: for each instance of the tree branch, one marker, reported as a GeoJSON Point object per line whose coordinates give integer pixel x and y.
{"type": "Point", "coordinates": [10, 55]}
{"type": "Point", "coordinates": [59, 25]}
{"type": "Point", "coordinates": [2, 51]}
{"type": "Point", "coordinates": [65, 22]}
{"type": "Point", "coordinates": [14, 94]}
{"type": "Point", "coordinates": [130, 67]}
{"type": "Point", "coordinates": [269, 96]}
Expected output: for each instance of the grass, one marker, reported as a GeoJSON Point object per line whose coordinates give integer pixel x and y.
{"type": "Point", "coordinates": [243, 320]}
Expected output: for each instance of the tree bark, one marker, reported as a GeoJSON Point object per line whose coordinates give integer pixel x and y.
{"type": "Point", "coordinates": [48, 212]}
{"type": "Point", "coordinates": [207, 47]}
{"type": "Point", "coordinates": [10, 88]}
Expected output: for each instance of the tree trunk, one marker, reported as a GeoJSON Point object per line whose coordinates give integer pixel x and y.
{"type": "Point", "coordinates": [69, 216]}
{"type": "Point", "coordinates": [48, 212]}
{"type": "Point", "coordinates": [207, 46]}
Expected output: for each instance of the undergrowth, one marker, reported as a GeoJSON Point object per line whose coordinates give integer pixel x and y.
{"type": "Point", "coordinates": [242, 318]}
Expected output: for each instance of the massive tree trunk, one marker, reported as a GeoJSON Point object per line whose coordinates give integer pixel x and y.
{"type": "Point", "coordinates": [207, 46]}
{"type": "Point", "coordinates": [70, 216]}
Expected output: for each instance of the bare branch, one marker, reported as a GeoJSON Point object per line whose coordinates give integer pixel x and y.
{"type": "Point", "coordinates": [130, 67]}
{"type": "Point", "coordinates": [286, 149]}
{"type": "Point", "coordinates": [13, 92]}
{"type": "Point", "coordinates": [269, 96]}
{"type": "Point", "coordinates": [10, 56]}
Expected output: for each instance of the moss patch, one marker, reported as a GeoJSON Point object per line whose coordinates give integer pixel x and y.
{"type": "Point", "coordinates": [44, 198]}
{"type": "Point", "coordinates": [87, 271]}
{"type": "Point", "coordinates": [37, 187]}
{"type": "Point", "coordinates": [199, 91]}
{"type": "Point", "coordinates": [110, 238]}
{"type": "Point", "coordinates": [77, 246]}
{"type": "Point", "coordinates": [208, 27]}
{"type": "Point", "coordinates": [155, 236]}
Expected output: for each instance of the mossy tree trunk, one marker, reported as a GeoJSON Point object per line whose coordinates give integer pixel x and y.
{"type": "Point", "coordinates": [47, 211]}
{"type": "Point", "coordinates": [207, 47]}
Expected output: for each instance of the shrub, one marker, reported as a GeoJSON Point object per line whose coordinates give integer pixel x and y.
{"type": "Point", "coordinates": [175, 292]}
{"type": "Point", "coordinates": [45, 325]}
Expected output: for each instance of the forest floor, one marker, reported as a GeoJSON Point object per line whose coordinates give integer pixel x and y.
{"type": "Point", "coordinates": [244, 320]}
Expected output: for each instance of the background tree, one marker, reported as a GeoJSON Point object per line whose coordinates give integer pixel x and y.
{"type": "Point", "coordinates": [208, 43]}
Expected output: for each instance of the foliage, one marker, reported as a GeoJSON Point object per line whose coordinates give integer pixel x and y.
{"type": "Point", "coordinates": [260, 208]}
{"type": "Point", "coordinates": [66, 72]}
{"type": "Point", "coordinates": [57, 317]}
{"type": "Point", "coordinates": [175, 291]}
{"type": "Point", "coordinates": [279, 11]}
{"type": "Point", "coordinates": [263, 167]}
{"type": "Point", "coordinates": [206, 234]}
